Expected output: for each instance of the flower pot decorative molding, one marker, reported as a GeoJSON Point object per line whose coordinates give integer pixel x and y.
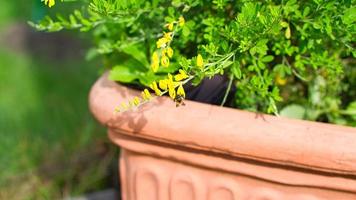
{"type": "Point", "coordinates": [202, 151]}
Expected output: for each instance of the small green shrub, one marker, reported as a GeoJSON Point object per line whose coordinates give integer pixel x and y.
{"type": "Point", "coordinates": [296, 57]}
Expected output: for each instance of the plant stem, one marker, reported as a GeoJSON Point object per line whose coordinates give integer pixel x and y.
{"type": "Point", "coordinates": [227, 90]}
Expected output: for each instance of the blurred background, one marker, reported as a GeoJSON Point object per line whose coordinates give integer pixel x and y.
{"type": "Point", "coordinates": [50, 146]}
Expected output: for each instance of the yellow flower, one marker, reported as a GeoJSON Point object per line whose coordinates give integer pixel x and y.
{"type": "Point", "coordinates": [162, 42]}
{"type": "Point", "coordinates": [143, 95]}
{"type": "Point", "coordinates": [168, 36]}
{"type": "Point", "coordinates": [124, 105]}
{"type": "Point", "coordinates": [172, 92]}
{"type": "Point", "coordinates": [181, 76]}
{"type": "Point", "coordinates": [154, 87]}
{"type": "Point", "coordinates": [181, 21]}
{"type": "Point", "coordinates": [131, 104]}
{"type": "Point", "coordinates": [180, 91]}
{"type": "Point", "coordinates": [155, 57]}
{"type": "Point", "coordinates": [171, 86]}
{"type": "Point", "coordinates": [155, 62]}
{"type": "Point", "coordinates": [154, 66]}
{"type": "Point", "coordinates": [169, 52]}
{"type": "Point", "coordinates": [169, 26]}
{"type": "Point", "coordinates": [287, 34]}
{"type": "Point", "coordinates": [117, 109]}
{"type": "Point", "coordinates": [280, 80]}
{"type": "Point", "coordinates": [200, 62]}
{"type": "Point", "coordinates": [163, 84]}
{"type": "Point", "coordinates": [50, 3]}
{"type": "Point", "coordinates": [136, 101]}
{"type": "Point", "coordinates": [146, 95]}
{"type": "Point", "coordinates": [165, 61]}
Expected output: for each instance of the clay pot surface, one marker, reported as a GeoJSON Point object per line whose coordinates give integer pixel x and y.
{"type": "Point", "coordinates": [212, 152]}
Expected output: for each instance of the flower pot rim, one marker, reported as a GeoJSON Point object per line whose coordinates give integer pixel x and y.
{"type": "Point", "coordinates": [240, 134]}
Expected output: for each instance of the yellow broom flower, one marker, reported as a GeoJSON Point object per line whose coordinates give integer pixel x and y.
{"type": "Point", "coordinates": [136, 101]}
{"type": "Point", "coordinates": [280, 80]}
{"type": "Point", "coordinates": [155, 62]}
{"type": "Point", "coordinates": [154, 87]}
{"type": "Point", "coordinates": [180, 91]}
{"type": "Point", "coordinates": [154, 66]}
{"type": "Point", "coordinates": [131, 104]}
{"type": "Point", "coordinates": [163, 84]}
{"type": "Point", "coordinates": [181, 76]}
{"type": "Point", "coordinates": [287, 34]}
{"type": "Point", "coordinates": [164, 52]}
{"type": "Point", "coordinates": [49, 3]}
{"type": "Point", "coordinates": [124, 105]}
{"type": "Point", "coordinates": [168, 36]}
{"type": "Point", "coordinates": [117, 109]}
{"type": "Point", "coordinates": [181, 21]}
{"type": "Point", "coordinates": [200, 61]}
{"type": "Point", "coordinates": [165, 61]}
{"type": "Point", "coordinates": [169, 26]}
{"type": "Point", "coordinates": [146, 95]}
{"type": "Point", "coordinates": [143, 95]}
{"type": "Point", "coordinates": [169, 52]}
{"type": "Point", "coordinates": [171, 87]}
{"type": "Point", "coordinates": [162, 42]}
{"type": "Point", "coordinates": [172, 92]}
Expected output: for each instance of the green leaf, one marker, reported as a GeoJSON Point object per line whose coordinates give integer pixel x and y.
{"type": "Point", "coordinates": [72, 19]}
{"type": "Point", "coordinates": [294, 111]}
{"type": "Point", "coordinates": [306, 11]}
{"type": "Point", "coordinates": [235, 69]}
{"type": "Point", "coordinates": [251, 68]}
{"type": "Point", "coordinates": [147, 78]}
{"type": "Point", "coordinates": [91, 54]}
{"type": "Point", "coordinates": [350, 110]}
{"type": "Point", "coordinates": [126, 72]}
{"type": "Point", "coordinates": [275, 94]}
{"type": "Point", "coordinates": [349, 16]}
{"type": "Point", "coordinates": [261, 47]}
{"type": "Point", "coordinates": [186, 31]}
{"type": "Point", "coordinates": [137, 53]}
{"type": "Point", "coordinates": [227, 64]}
{"type": "Point", "coordinates": [267, 59]}
{"type": "Point", "coordinates": [123, 74]}
{"type": "Point", "coordinates": [261, 65]}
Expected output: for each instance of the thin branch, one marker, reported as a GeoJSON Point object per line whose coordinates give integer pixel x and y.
{"type": "Point", "coordinates": [227, 90]}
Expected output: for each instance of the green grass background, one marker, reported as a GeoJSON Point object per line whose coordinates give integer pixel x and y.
{"type": "Point", "coordinates": [50, 145]}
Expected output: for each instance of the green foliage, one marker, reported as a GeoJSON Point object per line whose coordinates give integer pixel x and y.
{"type": "Point", "coordinates": [293, 111]}
{"type": "Point", "coordinates": [284, 55]}
{"type": "Point", "coordinates": [51, 146]}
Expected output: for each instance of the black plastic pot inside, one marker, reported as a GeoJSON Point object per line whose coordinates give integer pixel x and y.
{"type": "Point", "coordinates": [211, 91]}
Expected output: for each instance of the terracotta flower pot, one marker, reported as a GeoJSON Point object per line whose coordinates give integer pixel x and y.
{"type": "Point", "coordinates": [201, 151]}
